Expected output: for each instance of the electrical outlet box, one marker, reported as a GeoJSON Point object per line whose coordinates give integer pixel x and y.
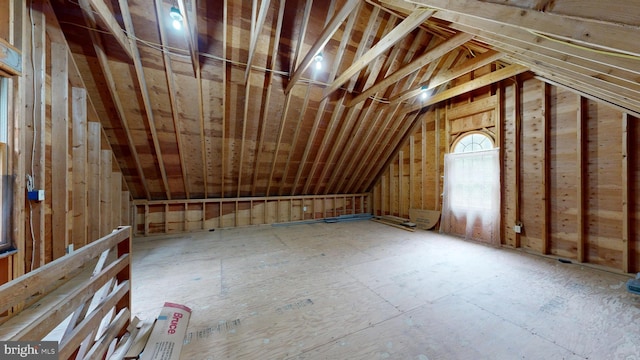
{"type": "Point", "coordinates": [69, 248]}
{"type": "Point", "coordinates": [35, 195]}
{"type": "Point", "coordinates": [517, 229]}
{"type": "Point", "coordinates": [304, 208]}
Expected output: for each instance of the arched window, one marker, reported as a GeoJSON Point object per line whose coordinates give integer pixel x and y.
{"type": "Point", "coordinates": [475, 141]}
{"type": "Point", "coordinates": [471, 201]}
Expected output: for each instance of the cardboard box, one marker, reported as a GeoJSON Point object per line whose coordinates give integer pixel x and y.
{"type": "Point", "coordinates": [167, 336]}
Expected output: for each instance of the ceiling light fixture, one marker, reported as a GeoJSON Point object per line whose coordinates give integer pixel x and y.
{"type": "Point", "coordinates": [176, 16]}
{"type": "Point", "coordinates": [423, 93]}
{"type": "Point", "coordinates": [318, 60]}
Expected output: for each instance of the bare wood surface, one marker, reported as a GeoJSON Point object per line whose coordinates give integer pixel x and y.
{"type": "Point", "coordinates": [362, 290]}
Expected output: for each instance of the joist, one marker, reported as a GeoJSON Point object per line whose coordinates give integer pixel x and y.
{"type": "Point", "coordinates": [603, 35]}
{"type": "Point", "coordinates": [407, 25]}
{"type": "Point", "coordinates": [491, 78]}
{"type": "Point", "coordinates": [430, 56]}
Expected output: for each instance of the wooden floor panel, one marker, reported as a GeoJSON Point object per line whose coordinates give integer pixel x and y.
{"type": "Point", "coordinates": [363, 290]}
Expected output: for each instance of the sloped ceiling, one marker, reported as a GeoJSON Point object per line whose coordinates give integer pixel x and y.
{"type": "Point", "coordinates": [233, 106]}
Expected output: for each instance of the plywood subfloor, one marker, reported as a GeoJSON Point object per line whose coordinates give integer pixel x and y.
{"type": "Point", "coordinates": [363, 290]}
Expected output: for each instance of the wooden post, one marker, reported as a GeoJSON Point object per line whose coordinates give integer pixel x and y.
{"type": "Point", "coordinates": [79, 153]}
{"type": "Point", "coordinates": [517, 144]}
{"type": "Point", "coordinates": [499, 120]}
{"type": "Point", "coordinates": [93, 181]}
{"type": "Point", "coordinates": [546, 163]}
{"type": "Point", "coordinates": [412, 158]}
{"type": "Point", "coordinates": [436, 197]}
{"type": "Point", "coordinates": [59, 149]}
{"type": "Point", "coordinates": [423, 162]}
{"type": "Point", "coordinates": [401, 196]}
{"type": "Point", "coordinates": [626, 228]}
{"type": "Point", "coordinates": [105, 193]}
{"type": "Point", "coordinates": [581, 151]}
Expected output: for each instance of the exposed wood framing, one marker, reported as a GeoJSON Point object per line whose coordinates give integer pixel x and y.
{"type": "Point", "coordinates": [142, 83]}
{"type": "Point", "coordinates": [406, 26]}
{"type": "Point", "coordinates": [79, 155]}
{"type": "Point", "coordinates": [106, 71]}
{"type": "Point", "coordinates": [450, 74]}
{"type": "Point", "coordinates": [328, 31]}
{"type": "Point", "coordinates": [430, 56]}
{"type": "Point", "coordinates": [545, 172]}
{"type": "Point", "coordinates": [171, 86]}
{"type": "Point", "coordinates": [111, 23]}
{"type": "Point", "coordinates": [287, 103]}
{"type": "Point", "coordinates": [627, 236]}
{"type": "Point", "coordinates": [339, 113]}
{"type": "Point", "coordinates": [59, 148]}
{"type": "Point", "coordinates": [581, 160]}
{"type": "Point", "coordinates": [256, 29]}
{"type": "Point", "coordinates": [474, 84]}
{"type": "Point", "coordinates": [608, 36]}
{"type": "Point", "coordinates": [323, 102]}
{"type": "Point", "coordinates": [268, 90]}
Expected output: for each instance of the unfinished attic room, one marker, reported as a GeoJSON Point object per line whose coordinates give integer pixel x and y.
{"type": "Point", "coordinates": [320, 179]}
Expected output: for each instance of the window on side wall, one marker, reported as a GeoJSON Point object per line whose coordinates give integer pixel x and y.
{"type": "Point", "coordinates": [5, 179]}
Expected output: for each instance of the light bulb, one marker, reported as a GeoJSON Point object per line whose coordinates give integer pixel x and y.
{"type": "Point", "coordinates": [318, 65]}
{"type": "Point", "coordinates": [177, 24]}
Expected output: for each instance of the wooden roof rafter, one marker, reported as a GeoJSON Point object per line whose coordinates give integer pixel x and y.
{"type": "Point", "coordinates": [287, 104]}
{"type": "Point", "coordinates": [448, 75]}
{"type": "Point", "coordinates": [373, 159]}
{"type": "Point", "coordinates": [302, 114]}
{"type": "Point", "coordinates": [477, 83]}
{"type": "Point", "coordinates": [343, 44]}
{"type": "Point", "coordinates": [323, 104]}
{"type": "Point", "coordinates": [367, 145]}
{"type": "Point", "coordinates": [261, 136]}
{"type": "Point", "coordinates": [330, 28]}
{"type": "Point", "coordinates": [430, 56]}
{"type": "Point", "coordinates": [111, 23]}
{"type": "Point", "coordinates": [604, 35]}
{"type": "Point", "coordinates": [257, 22]}
{"type": "Point", "coordinates": [339, 113]}
{"type": "Point", "coordinates": [98, 47]}
{"type": "Point", "coordinates": [412, 21]}
{"type": "Point", "coordinates": [142, 84]}
{"type": "Point", "coordinates": [171, 86]}
{"type": "Point", "coordinates": [369, 111]}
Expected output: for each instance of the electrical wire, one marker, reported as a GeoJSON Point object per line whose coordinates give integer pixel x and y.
{"type": "Point", "coordinates": [33, 145]}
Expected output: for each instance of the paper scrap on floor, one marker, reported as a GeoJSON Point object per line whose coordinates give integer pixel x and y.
{"type": "Point", "coordinates": [165, 341]}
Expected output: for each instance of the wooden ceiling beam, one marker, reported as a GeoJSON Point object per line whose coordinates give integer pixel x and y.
{"type": "Point", "coordinates": [267, 100]}
{"type": "Point", "coordinates": [171, 86]}
{"type": "Point", "coordinates": [370, 118]}
{"type": "Point", "coordinates": [111, 87]}
{"type": "Point", "coordinates": [144, 92]}
{"type": "Point", "coordinates": [338, 111]}
{"type": "Point", "coordinates": [414, 20]}
{"type": "Point", "coordinates": [604, 35]}
{"type": "Point", "coordinates": [448, 75]}
{"type": "Point", "coordinates": [369, 161]}
{"type": "Point", "coordinates": [531, 41]}
{"type": "Point", "coordinates": [191, 28]}
{"type": "Point", "coordinates": [432, 55]}
{"type": "Point", "coordinates": [111, 23]}
{"type": "Point", "coordinates": [255, 34]}
{"type": "Point", "coordinates": [328, 31]}
{"type": "Point", "coordinates": [287, 103]}
{"type": "Point", "coordinates": [488, 79]}
{"type": "Point", "coordinates": [299, 124]}
{"type": "Point", "coordinates": [323, 103]}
